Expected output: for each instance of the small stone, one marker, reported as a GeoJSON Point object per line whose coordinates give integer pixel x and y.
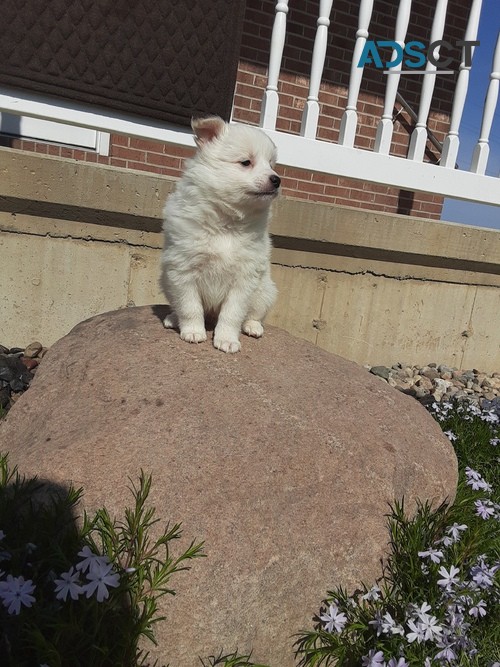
{"type": "Point", "coordinates": [381, 371]}
{"type": "Point", "coordinates": [404, 387]}
{"type": "Point", "coordinates": [441, 385]}
{"type": "Point", "coordinates": [7, 371]}
{"type": "Point", "coordinates": [33, 350]}
{"type": "Point", "coordinates": [489, 395]}
{"type": "Point", "coordinates": [425, 383]}
{"type": "Point", "coordinates": [421, 392]}
{"type": "Point", "coordinates": [430, 373]}
{"type": "Point", "coordinates": [460, 395]}
{"type": "Point", "coordinates": [4, 350]}
{"type": "Point", "coordinates": [491, 382]}
{"type": "Point", "coordinates": [30, 363]}
{"type": "Point", "coordinates": [16, 350]}
{"type": "Point", "coordinates": [4, 398]}
{"type": "Point", "coordinates": [43, 352]}
{"type": "Point", "coordinates": [16, 384]}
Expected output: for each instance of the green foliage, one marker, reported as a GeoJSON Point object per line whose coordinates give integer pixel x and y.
{"type": "Point", "coordinates": [385, 625]}
{"type": "Point", "coordinates": [229, 660]}
{"type": "Point", "coordinates": [42, 540]}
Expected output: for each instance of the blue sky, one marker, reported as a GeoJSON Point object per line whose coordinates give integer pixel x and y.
{"type": "Point", "coordinates": [468, 212]}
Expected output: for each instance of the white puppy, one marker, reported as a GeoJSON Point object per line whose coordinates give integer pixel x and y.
{"type": "Point", "coordinates": [216, 256]}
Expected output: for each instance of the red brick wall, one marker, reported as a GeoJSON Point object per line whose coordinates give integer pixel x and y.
{"type": "Point", "coordinates": [293, 89]}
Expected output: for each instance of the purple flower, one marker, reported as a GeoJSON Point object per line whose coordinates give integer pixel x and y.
{"type": "Point", "coordinates": [333, 619]}
{"type": "Point", "coordinates": [484, 508]}
{"type": "Point", "coordinates": [373, 659]}
{"type": "Point", "coordinates": [449, 578]}
{"type": "Point", "coordinates": [69, 583]}
{"type": "Point", "coordinates": [89, 560]}
{"type": "Point", "coordinates": [434, 554]}
{"type": "Point", "coordinates": [478, 609]}
{"type": "Point", "coordinates": [100, 577]}
{"type": "Point", "coordinates": [417, 632]}
{"type": "Point", "coordinates": [455, 530]}
{"type": "Point", "coordinates": [16, 591]}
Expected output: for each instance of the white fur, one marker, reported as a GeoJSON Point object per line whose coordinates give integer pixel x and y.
{"type": "Point", "coordinates": [216, 256]}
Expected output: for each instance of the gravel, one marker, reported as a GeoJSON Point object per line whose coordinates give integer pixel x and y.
{"type": "Point", "coordinates": [437, 382]}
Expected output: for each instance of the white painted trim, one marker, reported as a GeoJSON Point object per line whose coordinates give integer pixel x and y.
{"type": "Point", "coordinates": [20, 102]}
{"type": "Point", "coordinates": [329, 158]}
{"type": "Point", "coordinates": [47, 130]}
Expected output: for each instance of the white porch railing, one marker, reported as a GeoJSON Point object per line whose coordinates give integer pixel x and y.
{"type": "Point", "coordinates": [342, 159]}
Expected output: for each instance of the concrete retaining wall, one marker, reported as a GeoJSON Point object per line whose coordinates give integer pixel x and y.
{"type": "Point", "coordinates": [77, 239]}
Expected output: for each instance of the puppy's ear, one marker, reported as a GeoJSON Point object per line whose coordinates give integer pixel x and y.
{"type": "Point", "coordinates": [207, 129]}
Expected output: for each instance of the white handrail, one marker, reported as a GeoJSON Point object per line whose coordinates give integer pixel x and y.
{"type": "Point", "coordinates": [482, 149]}
{"type": "Point", "coordinates": [350, 118]}
{"type": "Point", "coordinates": [419, 135]}
{"type": "Point", "coordinates": [386, 126]}
{"type": "Point", "coordinates": [451, 143]}
{"type": "Point", "coordinates": [270, 101]}
{"type": "Point", "coordinates": [310, 115]}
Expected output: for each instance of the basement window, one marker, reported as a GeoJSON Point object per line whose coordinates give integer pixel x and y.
{"type": "Point", "coordinates": [26, 127]}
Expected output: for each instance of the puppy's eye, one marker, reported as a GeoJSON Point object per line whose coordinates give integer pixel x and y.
{"type": "Point", "coordinates": [245, 163]}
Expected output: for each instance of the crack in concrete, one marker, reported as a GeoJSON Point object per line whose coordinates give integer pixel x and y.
{"type": "Point", "coordinates": [74, 237]}
{"type": "Point", "coordinates": [362, 272]}
{"type": "Point", "coordinates": [376, 274]}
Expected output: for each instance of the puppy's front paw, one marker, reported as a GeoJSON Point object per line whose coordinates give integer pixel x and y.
{"type": "Point", "coordinates": [194, 335]}
{"type": "Point", "coordinates": [226, 345]}
{"type": "Point", "coordinates": [171, 322]}
{"type": "Point", "coordinates": [253, 328]}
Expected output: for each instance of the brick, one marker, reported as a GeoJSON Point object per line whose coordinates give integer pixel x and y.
{"type": "Point", "coordinates": [143, 167]}
{"type": "Point", "coordinates": [66, 152]}
{"type": "Point", "coordinates": [128, 153]}
{"type": "Point", "coordinates": [163, 160]}
{"type": "Point", "coordinates": [118, 162]}
{"type": "Point", "coordinates": [41, 148]}
{"type": "Point", "coordinates": [147, 145]}
{"type": "Point", "coordinates": [119, 140]}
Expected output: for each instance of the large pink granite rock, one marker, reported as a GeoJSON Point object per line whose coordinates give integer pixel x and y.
{"type": "Point", "coordinates": [282, 458]}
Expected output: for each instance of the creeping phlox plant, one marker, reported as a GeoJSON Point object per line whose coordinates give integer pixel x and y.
{"type": "Point", "coordinates": [79, 596]}
{"type": "Point", "coordinates": [438, 600]}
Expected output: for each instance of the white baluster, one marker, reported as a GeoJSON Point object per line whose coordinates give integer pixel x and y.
{"type": "Point", "coordinates": [419, 134]}
{"type": "Point", "coordinates": [270, 101]}
{"type": "Point", "coordinates": [482, 149]}
{"type": "Point", "coordinates": [452, 141]}
{"type": "Point", "coordinates": [350, 117]}
{"type": "Point", "coordinates": [386, 126]}
{"type": "Point", "coordinates": [310, 115]}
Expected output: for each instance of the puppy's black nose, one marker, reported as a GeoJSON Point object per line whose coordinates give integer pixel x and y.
{"type": "Point", "coordinates": [275, 180]}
